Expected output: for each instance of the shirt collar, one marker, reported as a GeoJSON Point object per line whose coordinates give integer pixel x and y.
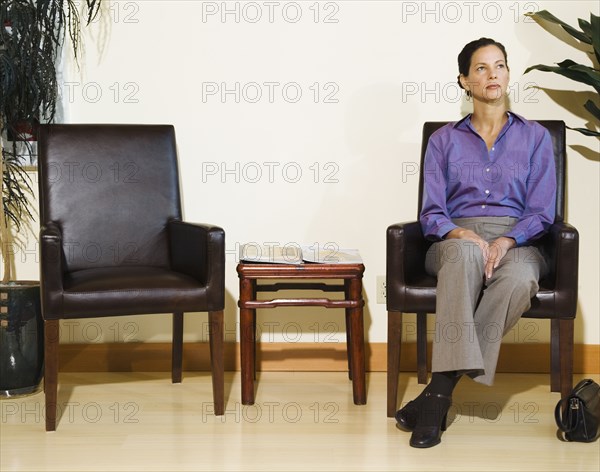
{"type": "Point", "coordinates": [467, 119]}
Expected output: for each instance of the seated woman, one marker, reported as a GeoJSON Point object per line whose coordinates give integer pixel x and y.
{"type": "Point", "coordinates": [489, 191]}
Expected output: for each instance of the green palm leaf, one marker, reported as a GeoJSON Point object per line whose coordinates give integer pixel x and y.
{"type": "Point", "coordinates": [572, 71]}
{"type": "Point", "coordinates": [589, 34]}
{"type": "Point", "coordinates": [546, 15]}
{"type": "Point", "coordinates": [593, 109]}
{"type": "Point", "coordinates": [595, 26]}
{"type": "Point", "coordinates": [585, 131]}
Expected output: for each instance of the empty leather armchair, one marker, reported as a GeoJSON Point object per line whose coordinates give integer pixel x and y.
{"type": "Point", "coordinates": [411, 290]}
{"type": "Point", "coordinates": [113, 244]}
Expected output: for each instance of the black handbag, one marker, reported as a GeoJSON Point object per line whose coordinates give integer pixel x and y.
{"type": "Point", "coordinates": [578, 415]}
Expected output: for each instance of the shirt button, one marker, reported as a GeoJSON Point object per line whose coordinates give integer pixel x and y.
{"type": "Point", "coordinates": [493, 148]}
{"type": "Point", "coordinates": [482, 206]}
{"type": "Point", "coordinates": [487, 191]}
{"type": "Point", "coordinates": [487, 170]}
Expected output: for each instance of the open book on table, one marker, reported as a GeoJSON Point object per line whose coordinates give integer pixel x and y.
{"type": "Point", "coordinates": [295, 254]}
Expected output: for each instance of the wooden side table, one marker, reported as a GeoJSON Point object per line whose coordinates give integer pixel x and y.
{"type": "Point", "coordinates": [353, 303]}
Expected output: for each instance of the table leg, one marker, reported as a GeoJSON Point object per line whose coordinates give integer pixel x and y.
{"type": "Point", "coordinates": [247, 342]}
{"type": "Point", "coordinates": [357, 339]}
{"type": "Point", "coordinates": [348, 329]}
{"type": "Point", "coordinates": [254, 297]}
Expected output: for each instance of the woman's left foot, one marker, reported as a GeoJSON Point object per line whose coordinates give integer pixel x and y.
{"type": "Point", "coordinates": [431, 420]}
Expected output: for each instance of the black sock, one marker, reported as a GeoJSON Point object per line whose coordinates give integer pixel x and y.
{"type": "Point", "coordinates": [443, 382]}
{"type": "Point", "coordinates": [433, 409]}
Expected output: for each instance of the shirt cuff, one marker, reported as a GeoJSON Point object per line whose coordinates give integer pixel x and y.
{"type": "Point", "coordinates": [445, 229]}
{"type": "Point", "coordinates": [518, 236]}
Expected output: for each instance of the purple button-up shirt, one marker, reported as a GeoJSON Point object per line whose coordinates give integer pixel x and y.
{"type": "Point", "coordinates": [516, 178]}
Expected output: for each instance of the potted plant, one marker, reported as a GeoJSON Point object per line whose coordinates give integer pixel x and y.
{"type": "Point", "coordinates": [589, 35]}
{"type": "Point", "coordinates": [32, 33]}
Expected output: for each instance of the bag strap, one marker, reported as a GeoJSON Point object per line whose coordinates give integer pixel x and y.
{"type": "Point", "coordinates": [561, 422]}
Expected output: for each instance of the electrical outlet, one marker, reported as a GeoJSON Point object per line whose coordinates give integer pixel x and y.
{"type": "Point", "coordinates": [381, 289]}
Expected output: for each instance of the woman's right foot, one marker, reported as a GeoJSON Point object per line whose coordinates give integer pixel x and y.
{"type": "Point", "coordinates": [406, 417]}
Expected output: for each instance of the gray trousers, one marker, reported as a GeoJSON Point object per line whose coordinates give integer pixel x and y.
{"type": "Point", "coordinates": [473, 314]}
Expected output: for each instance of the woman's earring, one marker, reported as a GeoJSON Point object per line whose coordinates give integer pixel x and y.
{"type": "Point", "coordinates": [468, 94]}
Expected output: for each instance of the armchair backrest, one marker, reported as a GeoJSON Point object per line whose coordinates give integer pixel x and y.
{"type": "Point", "coordinates": [111, 190]}
{"type": "Point", "coordinates": [557, 133]}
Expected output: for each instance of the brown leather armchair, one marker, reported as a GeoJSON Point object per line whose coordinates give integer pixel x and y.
{"type": "Point", "coordinates": [112, 241]}
{"type": "Point", "coordinates": [411, 290]}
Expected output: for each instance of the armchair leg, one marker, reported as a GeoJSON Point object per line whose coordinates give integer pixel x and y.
{"type": "Point", "coordinates": [393, 359]}
{"type": "Point", "coordinates": [566, 331]}
{"type": "Point", "coordinates": [215, 329]}
{"type": "Point", "coordinates": [177, 348]}
{"type": "Point", "coordinates": [422, 348]}
{"type": "Point", "coordinates": [51, 334]}
{"type": "Point", "coordinates": [555, 379]}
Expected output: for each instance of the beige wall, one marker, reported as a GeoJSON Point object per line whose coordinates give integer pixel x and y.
{"type": "Point", "coordinates": [335, 164]}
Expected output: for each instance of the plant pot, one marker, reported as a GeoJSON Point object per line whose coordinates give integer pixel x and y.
{"type": "Point", "coordinates": [21, 338]}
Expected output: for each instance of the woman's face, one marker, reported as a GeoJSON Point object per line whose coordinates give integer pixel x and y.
{"type": "Point", "coordinates": [488, 75]}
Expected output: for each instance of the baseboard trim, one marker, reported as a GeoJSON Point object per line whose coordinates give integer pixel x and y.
{"type": "Point", "coordinates": [309, 357]}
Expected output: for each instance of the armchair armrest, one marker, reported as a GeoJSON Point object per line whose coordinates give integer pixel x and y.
{"type": "Point", "coordinates": [52, 270]}
{"type": "Point", "coordinates": [198, 250]}
{"type": "Point", "coordinates": [560, 245]}
{"type": "Point", "coordinates": [406, 248]}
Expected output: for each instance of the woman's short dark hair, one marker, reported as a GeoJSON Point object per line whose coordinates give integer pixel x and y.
{"type": "Point", "coordinates": [464, 58]}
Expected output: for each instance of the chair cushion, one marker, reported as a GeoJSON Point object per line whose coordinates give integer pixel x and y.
{"type": "Point", "coordinates": [419, 296]}
{"type": "Point", "coordinates": [110, 291]}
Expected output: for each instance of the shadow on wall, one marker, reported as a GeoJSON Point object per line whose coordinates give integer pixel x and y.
{"type": "Point", "coordinates": [573, 101]}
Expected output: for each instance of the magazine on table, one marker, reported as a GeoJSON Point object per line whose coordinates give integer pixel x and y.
{"type": "Point", "coordinates": [296, 254]}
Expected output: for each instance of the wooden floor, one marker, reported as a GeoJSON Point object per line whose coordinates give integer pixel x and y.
{"type": "Point", "coordinates": [301, 421]}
